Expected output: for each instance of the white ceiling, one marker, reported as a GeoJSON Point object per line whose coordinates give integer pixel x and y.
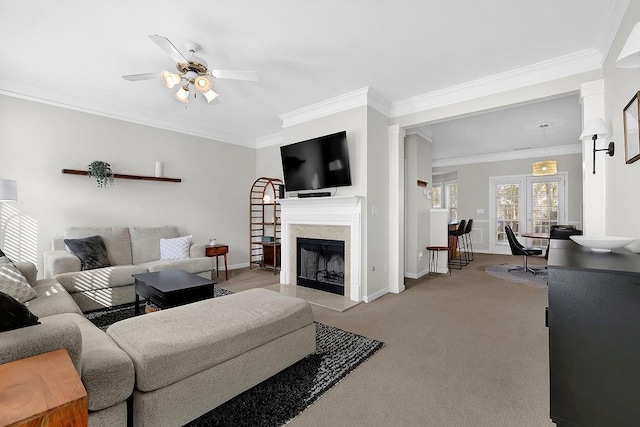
{"type": "Point", "coordinates": [513, 129]}
{"type": "Point", "coordinates": [73, 53]}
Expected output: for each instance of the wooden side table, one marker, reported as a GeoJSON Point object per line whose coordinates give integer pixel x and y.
{"type": "Point", "coordinates": [43, 390]}
{"type": "Point", "coordinates": [216, 251]}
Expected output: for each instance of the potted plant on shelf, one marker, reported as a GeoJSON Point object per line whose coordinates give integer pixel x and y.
{"type": "Point", "coordinates": [102, 172]}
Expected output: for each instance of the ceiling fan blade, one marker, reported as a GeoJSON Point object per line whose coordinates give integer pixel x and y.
{"type": "Point", "coordinates": [168, 47]}
{"type": "Point", "coordinates": [136, 77]}
{"type": "Point", "coordinates": [251, 76]}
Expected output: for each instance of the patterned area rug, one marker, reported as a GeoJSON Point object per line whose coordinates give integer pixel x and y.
{"type": "Point", "coordinates": [501, 271]}
{"type": "Point", "coordinates": [284, 396]}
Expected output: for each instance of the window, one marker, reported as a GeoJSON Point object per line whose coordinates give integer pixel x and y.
{"type": "Point", "coordinates": [507, 209]}
{"type": "Point", "coordinates": [451, 199]}
{"type": "Point", "coordinates": [436, 196]}
{"type": "Point", "coordinates": [445, 195]}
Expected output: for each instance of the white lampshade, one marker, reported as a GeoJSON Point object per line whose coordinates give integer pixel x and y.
{"type": "Point", "coordinates": [202, 83]}
{"type": "Point", "coordinates": [182, 94]}
{"type": "Point", "coordinates": [8, 190]}
{"type": "Point", "coordinates": [210, 95]}
{"type": "Point", "coordinates": [170, 79]}
{"type": "Point", "coordinates": [630, 54]}
{"type": "Point", "coordinates": [595, 127]}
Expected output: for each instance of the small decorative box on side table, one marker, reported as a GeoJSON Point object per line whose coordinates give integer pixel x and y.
{"type": "Point", "coordinates": [216, 251]}
{"type": "Point", "coordinates": [43, 390]}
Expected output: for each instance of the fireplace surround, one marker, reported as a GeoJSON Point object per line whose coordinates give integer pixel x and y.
{"type": "Point", "coordinates": [332, 218]}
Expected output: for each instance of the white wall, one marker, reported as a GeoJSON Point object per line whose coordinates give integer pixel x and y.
{"type": "Point", "coordinates": [418, 160]}
{"type": "Point", "coordinates": [37, 141]}
{"type": "Point", "coordinates": [473, 190]}
{"type": "Point", "coordinates": [376, 238]}
{"type": "Point", "coordinates": [621, 199]}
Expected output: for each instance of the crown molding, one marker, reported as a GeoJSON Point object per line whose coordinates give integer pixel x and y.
{"type": "Point", "coordinates": [338, 104]}
{"type": "Point", "coordinates": [270, 140]}
{"type": "Point", "coordinates": [510, 155]}
{"type": "Point", "coordinates": [422, 131]}
{"type": "Point", "coordinates": [610, 25]}
{"type": "Point", "coordinates": [557, 68]}
{"type": "Point", "coordinates": [16, 89]}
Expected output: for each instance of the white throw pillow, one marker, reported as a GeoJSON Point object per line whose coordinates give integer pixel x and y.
{"type": "Point", "coordinates": [13, 283]}
{"type": "Point", "coordinates": [177, 248]}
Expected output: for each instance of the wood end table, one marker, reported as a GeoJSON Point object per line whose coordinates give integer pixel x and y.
{"type": "Point", "coordinates": [42, 390]}
{"type": "Point", "coordinates": [216, 251]}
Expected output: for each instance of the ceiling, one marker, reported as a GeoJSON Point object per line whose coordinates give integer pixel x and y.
{"type": "Point", "coordinates": [73, 53]}
{"type": "Point", "coordinates": [508, 130]}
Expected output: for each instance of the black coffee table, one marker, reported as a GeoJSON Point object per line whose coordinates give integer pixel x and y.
{"type": "Point", "coordinates": [171, 288]}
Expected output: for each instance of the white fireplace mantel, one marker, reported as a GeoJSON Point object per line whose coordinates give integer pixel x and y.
{"type": "Point", "coordinates": [337, 210]}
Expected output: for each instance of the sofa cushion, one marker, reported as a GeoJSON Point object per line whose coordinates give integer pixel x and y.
{"type": "Point", "coordinates": [107, 371]}
{"type": "Point", "coordinates": [91, 251]}
{"type": "Point", "coordinates": [190, 265]}
{"type": "Point", "coordinates": [101, 278]}
{"type": "Point", "coordinates": [191, 338]}
{"type": "Point", "coordinates": [116, 240]}
{"type": "Point", "coordinates": [145, 242]}
{"type": "Point", "coordinates": [52, 299]}
{"type": "Point", "coordinates": [13, 283]}
{"type": "Point", "coordinates": [14, 314]}
{"type": "Point", "coordinates": [176, 248]}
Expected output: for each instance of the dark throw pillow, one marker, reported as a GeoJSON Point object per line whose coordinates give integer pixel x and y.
{"type": "Point", "coordinates": [91, 251]}
{"type": "Point", "coordinates": [14, 315]}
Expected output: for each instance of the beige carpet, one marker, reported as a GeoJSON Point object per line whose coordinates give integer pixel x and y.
{"type": "Point", "coordinates": [461, 350]}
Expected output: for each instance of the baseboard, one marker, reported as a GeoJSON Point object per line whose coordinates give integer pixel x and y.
{"type": "Point", "coordinates": [416, 275]}
{"type": "Point", "coordinates": [376, 295]}
{"type": "Point", "coordinates": [236, 266]}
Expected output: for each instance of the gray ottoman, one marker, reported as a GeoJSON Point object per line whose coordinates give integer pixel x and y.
{"type": "Point", "coordinates": [190, 359]}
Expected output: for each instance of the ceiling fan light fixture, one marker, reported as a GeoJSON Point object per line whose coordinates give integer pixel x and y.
{"type": "Point", "coordinates": [202, 83]}
{"type": "Point", "coordinates": [182, 94]}
{"type": "Point", "coordinates": [210, 95]}
{"type": "Point", "coordinates": [170, 79]}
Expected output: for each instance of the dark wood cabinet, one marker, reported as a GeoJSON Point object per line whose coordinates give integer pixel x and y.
{"type": "Point", "coordinates": [271, 253]}
{"type": "Point", "coordinates": [594, 336]}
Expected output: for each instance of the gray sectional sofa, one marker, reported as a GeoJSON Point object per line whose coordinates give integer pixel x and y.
{"type": "Point", "coordinates": [175, 364]}
{"type": "Point", "coordinates": [131, 250]}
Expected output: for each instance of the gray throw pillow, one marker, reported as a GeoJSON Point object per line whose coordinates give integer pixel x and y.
{"type": "Point", "coordinates": [14, 315]}
{"type": "Point", "coordinates": [13, 282]}
{"type": "Point", "coordinates": [91, 251]}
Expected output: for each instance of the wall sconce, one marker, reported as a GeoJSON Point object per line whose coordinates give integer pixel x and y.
{"type": "Point", "coordinates": [596, 128]}
{"type": "Point", "coordinates": [8, 190]}
{"type": "Point", "coordinates": [630, 54]}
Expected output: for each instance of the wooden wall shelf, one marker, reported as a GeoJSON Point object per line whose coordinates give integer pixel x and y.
{"type": "Point", "coordinates": [123, 176]}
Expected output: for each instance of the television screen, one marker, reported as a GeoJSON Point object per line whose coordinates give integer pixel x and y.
{"type": "Point", "coordinates": [316, 163]}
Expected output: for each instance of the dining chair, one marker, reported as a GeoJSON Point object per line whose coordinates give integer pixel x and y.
{"type": "Point", "coordinates": [518, 249]}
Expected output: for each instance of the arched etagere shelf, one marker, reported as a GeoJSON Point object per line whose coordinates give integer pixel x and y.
{"type": "Point", "coordinates": [264, 224]}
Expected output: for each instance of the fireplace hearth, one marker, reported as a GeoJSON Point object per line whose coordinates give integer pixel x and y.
{"type": "Point", "coordinates": [320, 264]}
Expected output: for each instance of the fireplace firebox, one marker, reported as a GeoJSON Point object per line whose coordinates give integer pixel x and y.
{"type": "Point", "coordinates": [320, 264]}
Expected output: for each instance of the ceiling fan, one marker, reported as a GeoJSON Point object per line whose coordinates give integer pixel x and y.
{"type": "Point", "coordinates": [192, 71]}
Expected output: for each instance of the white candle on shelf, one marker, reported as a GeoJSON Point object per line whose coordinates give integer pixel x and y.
{"type": "Point", "coordinates": [158, 169]}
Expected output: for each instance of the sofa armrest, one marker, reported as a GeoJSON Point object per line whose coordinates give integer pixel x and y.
{"type": "Point", "coordinates": [28, 270]}
{"type": "Point", "coordinates": [58, 262]}
{"type": "Point", "coordinates": [50, 335]}
{"type": "Point", "coordinates": [197, 250]}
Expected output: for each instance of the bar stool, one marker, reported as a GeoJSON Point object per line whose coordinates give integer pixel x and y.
{"type": "Point", "coordinates": [458, 245]}
{"type": "Point", "coordinates": [433, 258]}
{"type": "Point", "coordinates": [468, 244]}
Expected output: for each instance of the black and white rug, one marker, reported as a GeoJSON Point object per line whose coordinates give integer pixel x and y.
{"type": "Point", "coordinates": [501, 271]}
{"type": "Point", "coordinates": [284, 396]}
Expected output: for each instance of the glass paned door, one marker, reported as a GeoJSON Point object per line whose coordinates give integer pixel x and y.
{"type": "Point", "coordinates": [507, 209]}
{"type": "Point", "coordinates": [544, 204]}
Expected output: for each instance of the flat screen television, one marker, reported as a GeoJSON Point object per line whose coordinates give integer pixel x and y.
{"type": "Point", "coordinates": [321, 162]}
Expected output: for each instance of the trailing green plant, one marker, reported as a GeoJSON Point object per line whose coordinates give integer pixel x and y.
{"type": "Point", "coordinates": [101, 171]}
